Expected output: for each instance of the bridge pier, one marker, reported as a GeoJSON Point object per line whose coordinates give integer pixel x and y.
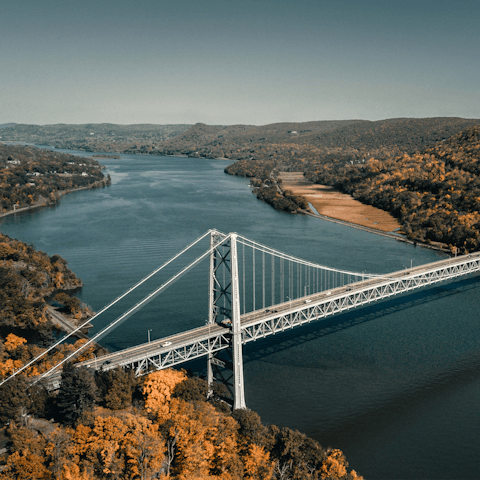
{"type": "Point", "coordinates": [224, 309]}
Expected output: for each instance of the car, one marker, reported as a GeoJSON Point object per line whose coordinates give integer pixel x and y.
{"type": "Point", "coordinates": [166, 344]}
{"type": "Point", "coordinates": [328, 293]}
{"type": "Point", "coordinates": [307, 300]}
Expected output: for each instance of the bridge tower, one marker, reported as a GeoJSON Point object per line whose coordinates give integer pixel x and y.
{"type": "Point", "coordinates": [226, 366]}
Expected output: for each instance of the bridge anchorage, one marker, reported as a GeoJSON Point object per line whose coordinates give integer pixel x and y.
{"type": "Point", "coordinates": [254, 291]}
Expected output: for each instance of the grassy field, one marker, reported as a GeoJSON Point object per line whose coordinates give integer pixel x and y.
{"type": "Point", "coordinates": [334, 204]}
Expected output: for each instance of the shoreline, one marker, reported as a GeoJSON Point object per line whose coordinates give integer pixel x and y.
{"type": "Point", "coordinates": [49, 204]}
{"type": "Point", "coordinates": [394, 236]}
{"type": "Point", "coordinates": [24, 209]}
{"type": "Point", "coordinates": [334, 200]}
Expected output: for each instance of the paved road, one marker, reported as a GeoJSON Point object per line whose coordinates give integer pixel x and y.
{"type": "Point", "coordinates": [187, 338]}
{"type": "Point", "coordinates": [64, 323]}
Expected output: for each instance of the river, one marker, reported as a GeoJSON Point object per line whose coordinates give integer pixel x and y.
{"type": "Point", "coordinates": [395, 385]}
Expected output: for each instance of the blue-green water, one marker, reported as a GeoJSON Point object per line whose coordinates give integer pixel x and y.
{"type": "Point", "coordinates": [394, 385]}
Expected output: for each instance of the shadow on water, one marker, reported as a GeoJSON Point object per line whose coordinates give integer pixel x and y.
{"type": "Point", "coordinates": [395, 408]}
{"type": "Point", "coordinates": [425, 390]}
{"type": "Point", "coordinates": [273, 344]}
{"type": "Point", "coordinates": [321, 328]}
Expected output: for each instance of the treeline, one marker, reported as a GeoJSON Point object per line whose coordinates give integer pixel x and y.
{"type": "Point", "coordinates": [27, 278]}
{"type": "Point", "coordinates": [280, 200]}
{"type": "Point", "coordinates": [285, 142]}
{"type": "Point", "coordinates": [291, 142]}
{"type": "Point", "coordinates": [266, 185]}
{"type": "Point", "coordinates": [92, 137]}
{"type": "Point", "coordinates": [33, 176]}
{"type": "Point", "coordinates": [435, 194]}
{"type": "Point", "coordinates": [111, 425]}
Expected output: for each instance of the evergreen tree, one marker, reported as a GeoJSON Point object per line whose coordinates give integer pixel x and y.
{"type": "Point", "coordinates": [14, 400]}
{"type": "Point", "coordinates": [77, 393]}
{"type": "Point", "coordinates": [116, 387]}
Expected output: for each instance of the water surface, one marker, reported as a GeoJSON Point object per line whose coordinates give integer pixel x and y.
{"type": "Point", "coordinates": [395, 385]}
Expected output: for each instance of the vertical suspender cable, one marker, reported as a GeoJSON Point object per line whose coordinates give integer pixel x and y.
{"type": "Point", "coordinates": [307, 273]}
{"type": "Point", "coordinates": [299, 281]}
{"type": "Point", "coordinates": [253, 252]}
{"type": "Point", "coordinates": [308, 280]}
{"type": "Point", "coordinates": [282, 279]}
{"type": "Point", "coordinates": [263, 278]}
{"type": "Point", "coordinates": [305, 281]}
{"type": "Point", "coordinates": [290, 279]}
{"type": "Point", "coordinates": [243, 274]}
{"type": "Point", "coordinates": [224, 284]}
{"type": "Point", "coordinates": [273, 279]}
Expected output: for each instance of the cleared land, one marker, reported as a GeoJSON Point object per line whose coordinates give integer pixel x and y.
{"type": "Point", "coordinates": [332, 203]}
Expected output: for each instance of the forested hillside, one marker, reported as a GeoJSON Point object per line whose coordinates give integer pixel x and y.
{"type": "Point", "coordinates": [32, 176]}
{"type": "Point", "coordinates": [92, 137]}
{"type": "Point", "coordinates": [291, 143]}
{"type": "Point", "coordinates": [27, 279]}
{"type": "Point", "coordinates": [111, 425]}
{"type": "Point", "coordinates": [435, 193]}
{"type": "Point", "coordinates": [283, 142]}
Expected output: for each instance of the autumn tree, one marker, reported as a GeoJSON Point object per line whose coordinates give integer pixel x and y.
{"type": "Point", "coordinates": [25, 466]}
{"type": "Point", "coordinates": [258, 465]}
{"type": "Point", "coordinates": [125, 446]}
{"type": "Point", "coordinates": [158, 388]}
{"type": "Point", "coordinates": [58, 442]}
{"type": "Point", "coordinates": [206, 441]}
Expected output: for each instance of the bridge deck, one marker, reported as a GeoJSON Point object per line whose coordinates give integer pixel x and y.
{"type": "Point", "coordinates": [191, 344]}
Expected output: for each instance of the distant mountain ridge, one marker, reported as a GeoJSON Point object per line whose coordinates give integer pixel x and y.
{"type": "Point", "coordinates": [286, 142]}
{"type": "Point", "coordinates": [407, 134]}
{"type": "Point", "coordinates": [106, 137]}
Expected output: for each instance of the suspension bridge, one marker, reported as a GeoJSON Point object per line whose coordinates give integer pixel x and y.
{"type": "Point", "coordinates": [254, 291]}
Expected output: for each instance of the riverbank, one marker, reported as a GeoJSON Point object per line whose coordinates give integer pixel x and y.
{"type": "Point", "coordinates": [92, 186]}
{"type": "Point", "coordinates": [334, 206]}
{"type": "Point", "coordinates": [24, 209]}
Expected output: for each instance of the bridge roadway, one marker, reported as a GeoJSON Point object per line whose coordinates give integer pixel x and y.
{"type": "Point", "coordinates": [201, 341]}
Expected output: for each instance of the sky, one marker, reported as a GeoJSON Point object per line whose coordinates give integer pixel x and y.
{"type": "Point", "coordinates": [227, 62]}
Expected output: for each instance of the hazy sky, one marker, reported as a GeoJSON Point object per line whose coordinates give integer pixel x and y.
{"type": "Point", "coordinates": [237, 61]}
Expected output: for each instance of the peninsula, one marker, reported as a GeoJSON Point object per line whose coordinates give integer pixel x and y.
{"type": "Point", "coordinates": [33, 177]}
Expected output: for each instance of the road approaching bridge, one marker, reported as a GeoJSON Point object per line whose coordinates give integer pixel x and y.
{"type": "Point", "coordinates": [210, 339]}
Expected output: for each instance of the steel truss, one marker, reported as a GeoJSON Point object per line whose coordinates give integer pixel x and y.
{"type": "Point", "coordinates": [146, 358]}
{"type": "Point", "coordinates": [179, 354]}
{"type": "Point", "coordinates": [352, 296]}
{"type": "Point", "coordinates": [222, 343]}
